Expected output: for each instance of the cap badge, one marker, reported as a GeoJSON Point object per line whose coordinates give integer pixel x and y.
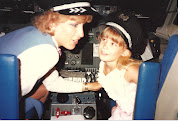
{"type": "Point", "coordinates": [123, 17]}
{"type": "Point", "coordinates": [76, 10]}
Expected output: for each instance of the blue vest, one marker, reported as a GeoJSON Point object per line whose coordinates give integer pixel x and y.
{"type": "Point", "coordinates": [22, 39]}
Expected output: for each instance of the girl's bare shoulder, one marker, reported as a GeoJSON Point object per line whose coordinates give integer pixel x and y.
{"type": "Point", "coordinates": [132, 73]}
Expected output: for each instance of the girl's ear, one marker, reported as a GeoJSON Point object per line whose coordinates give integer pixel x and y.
{"type": "Point", "coordinates": [126, 53]}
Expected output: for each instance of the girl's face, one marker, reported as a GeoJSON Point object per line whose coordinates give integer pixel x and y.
{"type": "Point", "coordinates": [109, 51]}
{"type": "Point", "coordinates": [68, 34]}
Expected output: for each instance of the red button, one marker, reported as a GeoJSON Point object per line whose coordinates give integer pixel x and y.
{"type": "Point", "coordinates": [65, 112]}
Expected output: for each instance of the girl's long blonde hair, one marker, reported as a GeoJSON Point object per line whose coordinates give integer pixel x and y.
{"type": "Point", "coordinates": [44, 21]}
{"type": "Point", "coordinates": [123, 61]}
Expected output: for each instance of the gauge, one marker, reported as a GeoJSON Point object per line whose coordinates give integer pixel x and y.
{"type": "Point", "coordinates": [76, 56]}
{"type": "Point", "coordinates": [69, 56]}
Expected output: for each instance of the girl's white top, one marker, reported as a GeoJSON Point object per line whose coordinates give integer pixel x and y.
{"type": "Point", "coordinates": [119, 90]}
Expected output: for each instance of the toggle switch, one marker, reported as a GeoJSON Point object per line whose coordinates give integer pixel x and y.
{"type": "Point", "coordinates": [57, 112]}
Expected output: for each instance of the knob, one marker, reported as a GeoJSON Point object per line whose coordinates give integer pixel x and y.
{"type": "Point", "coordinates": [73, 62]}
{"type": "Point", "coordinates": [89, 112]}
{"type": "Point", "coordinates": [62, 97]}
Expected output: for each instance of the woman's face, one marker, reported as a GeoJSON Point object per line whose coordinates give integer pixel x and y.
{"type": "Point", "coordinates": [68, 34]}
{"type": "Point", "coordinates": [109, 51]}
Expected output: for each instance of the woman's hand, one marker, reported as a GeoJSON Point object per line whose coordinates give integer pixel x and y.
{"type": "Point", "coordinates": [93, 86]}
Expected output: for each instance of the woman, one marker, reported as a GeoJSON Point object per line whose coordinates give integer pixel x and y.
{"type": "Point", "coordinates": [37, 47]}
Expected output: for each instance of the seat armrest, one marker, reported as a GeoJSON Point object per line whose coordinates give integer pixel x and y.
{"type": "Point", "coordinates": [9, 87]}
{"type": "Point", "coordinates": [147, 91]}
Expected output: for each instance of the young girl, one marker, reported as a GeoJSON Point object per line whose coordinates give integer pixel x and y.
{"type": "Point", "coordinates": [118, 72]}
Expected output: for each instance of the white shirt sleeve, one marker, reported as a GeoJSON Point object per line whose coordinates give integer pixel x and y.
{"type": "Point", "coordinates": [55, 83]}
{"type": "Point", "coordinates": [35, 63]}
